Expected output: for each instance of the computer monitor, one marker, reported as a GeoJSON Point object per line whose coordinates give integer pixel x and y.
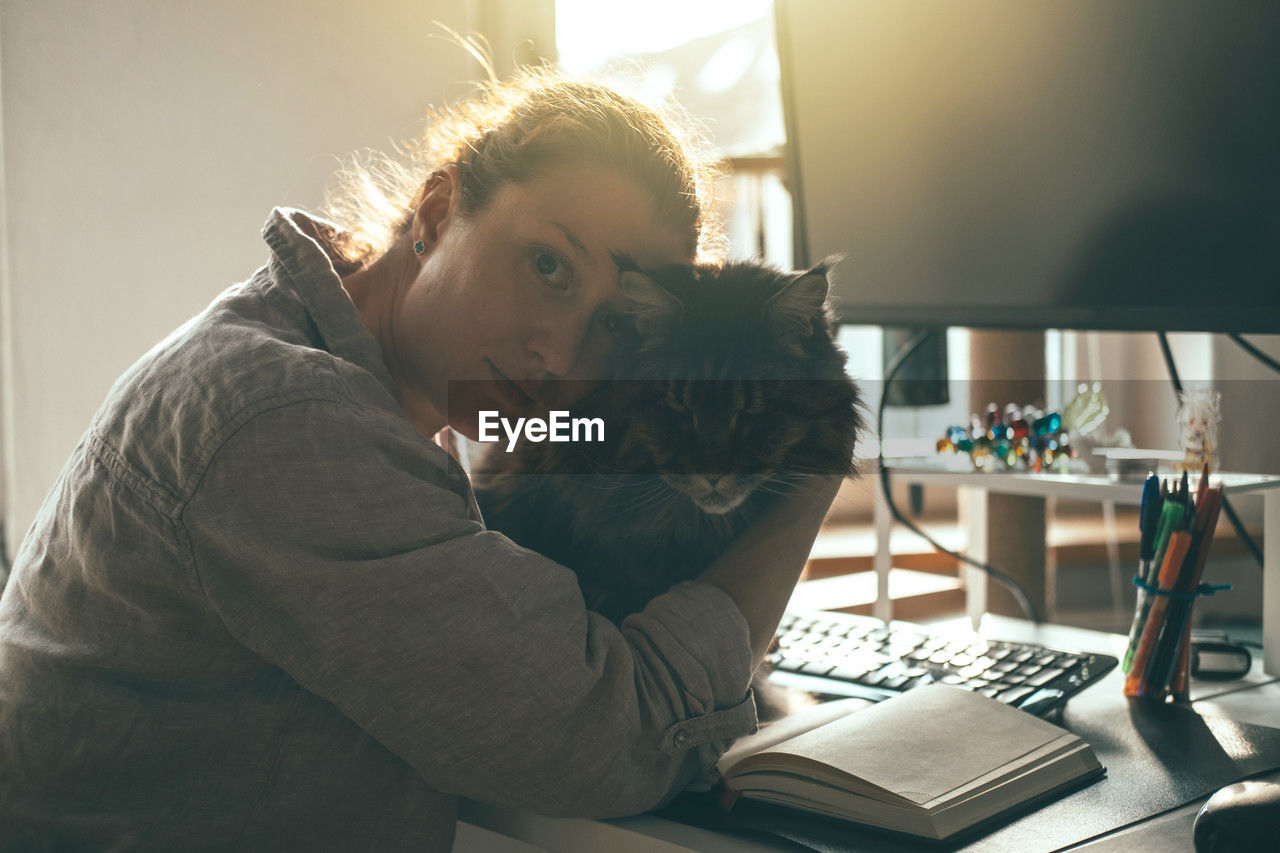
{"type": "Point", "coordinates": [1087, 164]}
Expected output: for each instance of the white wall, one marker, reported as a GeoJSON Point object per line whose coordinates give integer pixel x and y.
{"type": "Point", "coordinates": [144, 143]}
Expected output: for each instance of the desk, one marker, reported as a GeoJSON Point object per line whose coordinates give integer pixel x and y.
{"type": "Point", "coordinates": [1256, 699]}
{"type": "Point", "coordinates": [937, 471]}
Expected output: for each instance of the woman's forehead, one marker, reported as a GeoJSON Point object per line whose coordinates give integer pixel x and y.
{"type": "Point", "coordinates": [597, 212]}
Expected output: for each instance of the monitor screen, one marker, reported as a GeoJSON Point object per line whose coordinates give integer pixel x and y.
{"type": "Point", "coordinates": [1091, 164]}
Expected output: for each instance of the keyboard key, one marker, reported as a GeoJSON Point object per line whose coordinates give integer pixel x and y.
{"type": "Point", "coordinates": [1013, 694]}
{"type": "Point", "coordinates": [874, 679]}
{"type": "Point", "coordinates": [849, 673]}
{"type": "Point", "coordinates": [790, 664]}
{"type": "Point", "coordinates": [927, 678]}
{"type": "Point", "coordinates": [1045, 677]}
{"type": "Point", "coordinates": [816, 668]}
{"type": "Point", "coordinates": [907, 639]}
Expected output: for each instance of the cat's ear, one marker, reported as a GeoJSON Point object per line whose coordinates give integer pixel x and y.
{"type": "Point", "coordinates": [653, 306]}
{"type": "Point", "coordinates": [799, 309]}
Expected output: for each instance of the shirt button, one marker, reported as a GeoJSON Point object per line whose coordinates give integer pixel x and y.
{"type": "Point", "coordinates": [681, 739]}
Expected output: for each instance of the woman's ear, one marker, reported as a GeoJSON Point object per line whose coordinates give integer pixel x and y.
{"type": "Point", "coordinates": [440, 195]}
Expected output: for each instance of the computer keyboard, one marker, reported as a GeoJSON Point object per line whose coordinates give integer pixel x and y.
{"type": "Point", "coordinates": [839, 654]}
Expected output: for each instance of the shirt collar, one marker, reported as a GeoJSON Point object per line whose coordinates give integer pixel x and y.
{"type": "Point", "coordinates": [302, 253]}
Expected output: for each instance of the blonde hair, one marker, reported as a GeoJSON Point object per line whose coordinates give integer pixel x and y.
{"type": "Point", "coordinates": [513, 131]}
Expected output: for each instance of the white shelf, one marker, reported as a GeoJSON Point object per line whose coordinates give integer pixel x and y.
{"type": "Point", "coordinates": [955, 472]}
{"type": "Point", "coordinates": [943, 471]}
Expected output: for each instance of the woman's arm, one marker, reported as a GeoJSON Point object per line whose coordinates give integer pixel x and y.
{"type": "Point", "coordinates": [329, 541]}
{"type": "Point", "coordinates": [760, 568]}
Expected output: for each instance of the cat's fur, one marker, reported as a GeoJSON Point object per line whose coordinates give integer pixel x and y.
{"type": "Point", "coordinates": [731, 371]}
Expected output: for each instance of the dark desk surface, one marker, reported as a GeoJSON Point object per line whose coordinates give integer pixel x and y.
{"type": "Point", "coordinates": [1255, 699]}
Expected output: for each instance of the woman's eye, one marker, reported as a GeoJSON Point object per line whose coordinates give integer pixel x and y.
{"type": "Point", "coordinates": [552, 269]}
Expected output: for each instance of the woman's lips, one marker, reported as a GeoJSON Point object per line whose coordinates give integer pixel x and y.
{"type": "Point", "coordinates": [512, 393]}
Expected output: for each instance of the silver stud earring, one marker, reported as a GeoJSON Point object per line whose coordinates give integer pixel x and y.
{"type": "Point", "coordinates": [419, 247]}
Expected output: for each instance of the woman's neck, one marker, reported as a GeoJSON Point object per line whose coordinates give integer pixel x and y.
{"type": "Point", "coordinates": [375, 290]}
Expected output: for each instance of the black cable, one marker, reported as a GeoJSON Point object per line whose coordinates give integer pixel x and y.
{"type": "Point", "coordinates": [5, 566]}
{"type": "Point", "coordinates": [1255, 352]}
{"type": "Point", "coordinates": [904, 352]}
{"type": "Point", "coordinates": [1168, 361]}
{"type": "Point", "coordinates": [1227, 509]}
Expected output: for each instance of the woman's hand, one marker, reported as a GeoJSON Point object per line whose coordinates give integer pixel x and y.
{"type": "Point", "coordinates": [760, 568]}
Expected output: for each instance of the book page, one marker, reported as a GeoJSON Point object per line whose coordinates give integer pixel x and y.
{"type": "Point", "coordinates": [919, 745]}
{"type": "Point", "coordinates": [788, 727]}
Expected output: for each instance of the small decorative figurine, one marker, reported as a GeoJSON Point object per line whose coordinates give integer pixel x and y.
{"type": "Point", "coordinates": [1199, 414]}
{"type": "Point", "coordinates": [1019, 438]}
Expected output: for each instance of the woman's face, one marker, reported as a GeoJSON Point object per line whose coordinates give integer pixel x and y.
{"type": "Point", "coordinates": [515, 308]}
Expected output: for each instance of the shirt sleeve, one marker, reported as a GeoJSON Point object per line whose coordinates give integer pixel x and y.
{"type": "Point", "coordinates": [327, 539]}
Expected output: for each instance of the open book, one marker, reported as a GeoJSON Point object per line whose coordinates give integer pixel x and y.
{"type": "Point", "coordinates": [932, 762]}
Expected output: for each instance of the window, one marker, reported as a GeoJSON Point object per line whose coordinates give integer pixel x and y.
{"type": "Point", "coordinates": [719, 64]}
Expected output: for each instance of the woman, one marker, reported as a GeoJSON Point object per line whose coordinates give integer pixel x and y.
{"type": "Point", "coordinates": [260, 608]}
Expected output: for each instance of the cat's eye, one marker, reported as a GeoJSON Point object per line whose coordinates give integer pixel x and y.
{"type": "Point", "coordinates": [552, 269]}
{"type": "Point", "coordinates": [617, 325]}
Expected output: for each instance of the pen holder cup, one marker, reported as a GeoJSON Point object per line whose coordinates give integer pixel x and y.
{"type": "Point", "coordinates": [1156, 662]}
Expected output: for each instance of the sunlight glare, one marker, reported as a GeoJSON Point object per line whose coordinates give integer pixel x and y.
{"type": "Point", "coordinates": [588, 32]}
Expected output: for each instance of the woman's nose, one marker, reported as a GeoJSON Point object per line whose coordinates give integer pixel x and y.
{"type": "Point", "coordinates": [558, 346]}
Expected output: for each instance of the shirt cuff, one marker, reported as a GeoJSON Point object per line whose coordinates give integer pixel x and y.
{"type": "Point", "coordinates": [718, 725]}
{"type": "Point", "coordinates": [702, 638]}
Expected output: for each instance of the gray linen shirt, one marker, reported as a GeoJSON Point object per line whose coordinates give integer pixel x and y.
{"type": "Point", "coordinates": [260, 610]}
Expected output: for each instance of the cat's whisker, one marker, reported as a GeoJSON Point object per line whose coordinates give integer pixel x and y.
{"type": "Point", "coordinates": [636, 492]}
{"type": "Point", "coordinates": [654, 498]}
{"type": "Point", "coordinates": [599, 465]}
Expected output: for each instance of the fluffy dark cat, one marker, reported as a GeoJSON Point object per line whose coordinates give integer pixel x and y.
{"type": "Point", "coordinates": [730, 391]}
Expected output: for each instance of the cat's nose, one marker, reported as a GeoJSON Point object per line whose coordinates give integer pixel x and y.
{"type": "Point", "coordinates": [712, 479]}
